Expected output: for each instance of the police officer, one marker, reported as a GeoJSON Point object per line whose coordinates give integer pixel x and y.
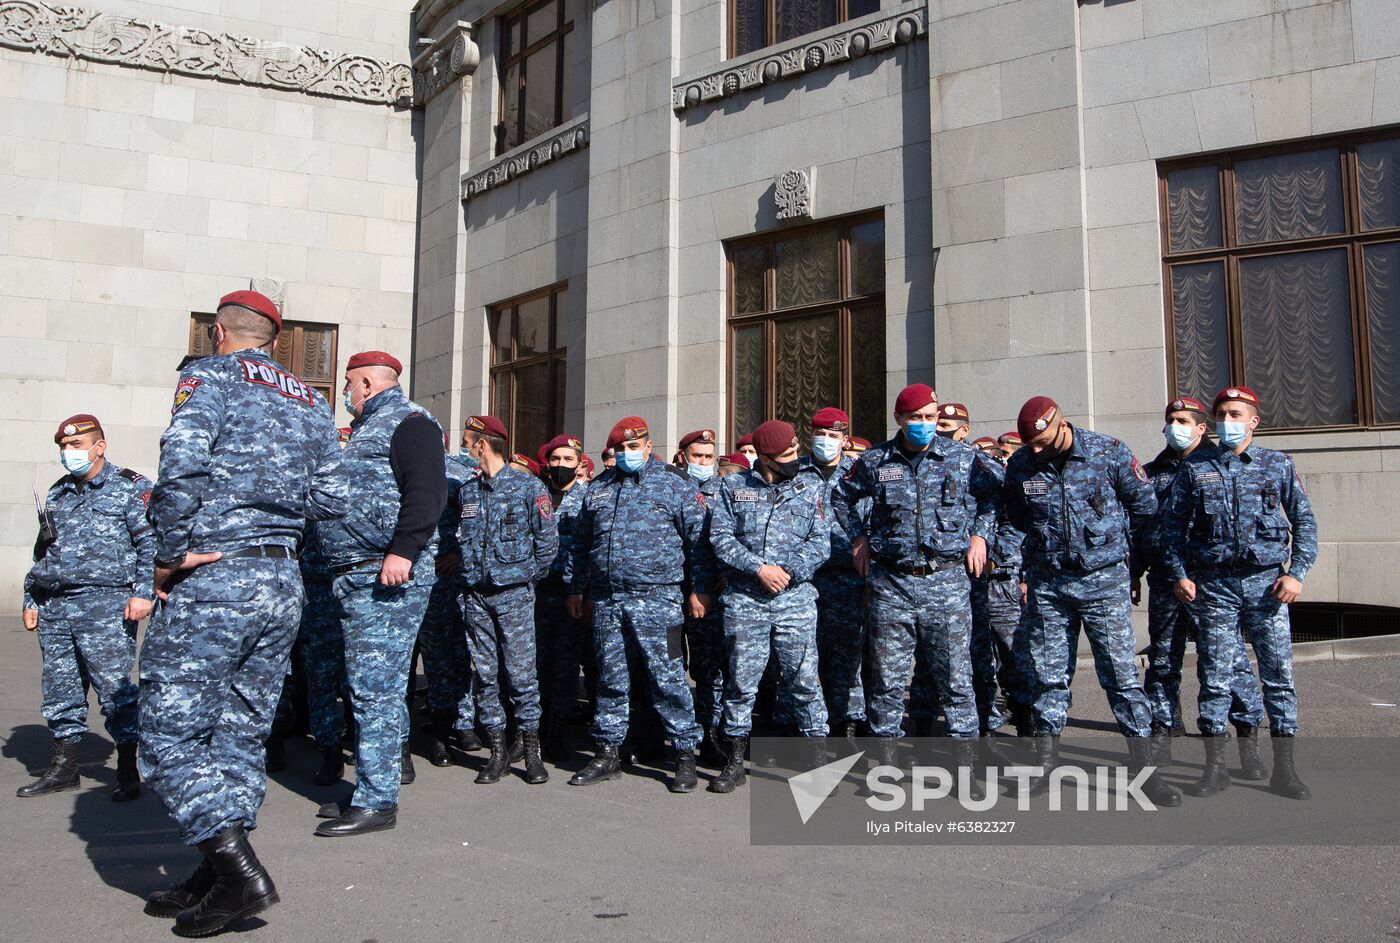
{"type": "Point", "coordinates": [954, 422]}
{"type": "Point", "coordinates": [1008, 443]}
{"type": "Point", "coordinates": [1077, 496]}
{"type": "Point", "coordinates": [840, 589]}
{"type": "Point", "coordinates": [88, 588]}
{"type": "Point", "coordinates": [988, 446]}
{"type": "Point", "coordinates": [250, 453]}
{"type": "Point", "coordinates": [383, 551]}
{"type": "Point", "coordinates": [732, 464]}
{"type": "Point", "coordinates": [924, 537]}
{"type": "Point", "coordinates": [704, 638]}
{"type": "Point", "coordinates": [1235, 516]}
{"type": "Point", "coordinates": [640, 537]}
{"type": "Point", "coordinates": [770, 530]}
{"type": "Point", "coordinates": [855, 447]}
{"type": "Point", "coordinates": [508, 541]}
{"type": "Point", "coordinates": [745, 445]}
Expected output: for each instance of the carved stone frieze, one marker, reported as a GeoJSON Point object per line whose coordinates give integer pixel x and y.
{"type": "Point", "coordinates": [792, 194]}
{"type": "Point", "coordinates": [452, 56]}
{"type": "Point", "coordinates": [567, 138]}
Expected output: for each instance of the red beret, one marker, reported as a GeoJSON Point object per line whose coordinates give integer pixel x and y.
{"type": "Point", "coordinates": [699, 435]}
{"type": "Point", "coordinates": [1186, 403]}
{"type": "Point", "coordinates": [80, 424]}
{"type": "Point", "coordinates": [984, 440]}
{"type": "Point", "coordinates": [830, 417]}
{"type": "Point", "coordinates": [1236, 394]}
{"type": "Point", "coordinates": [1010, 438]}
{"type": "Point", "coordinates": [774, 437]}
{"type": "Point", "coordinates": [914, 397]}
{"type": "Point", "coordinates": [745, 439]}
{"type": "Point", "coordinates": [606, 454]}
{"type": "Point", "coordinates": [541, 457]}
{"type": "Point", "coordinates": [586, 462]}
{"type": "Point", "coordinates": [858, 444]}
{"type": "Point", "coordinates": [256, 302]}
{"type": "Point", "coordinates": [735, 458]}
{"type": "Point", "coordinates": [374, 358]}
{"type": "Point", "coordinates": [954, 411]}
{"type": "Point", "coordinates": [525, 462]}
{"type": "Point", "coordinates": [1036, 416]}
{"type": "Point", "coordinates": [561, 441]}
{"type": "Point", "coordinates": [487, 425]}
{"type": "Point", "coordinates": [628, 428]}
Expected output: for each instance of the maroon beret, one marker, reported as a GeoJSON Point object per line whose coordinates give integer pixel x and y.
{"type": "Point", "coordinates": [487, 425]}
{"type": "Point", "coordinates": [627, 428]}
{"type": "Point", "coordinates": [374, 358]}
{"type": "Point", "coordinates": [745, 439]}
{"type": "Point", "coordinates": [80, 424]}
{"type": "Point", "coordinates": [561, 441]}
{"type": "Point", "coordinates": [256, 302]}
{"type": "Point", "coordinates": [1236, 394]}
{"type": "Point", "coordinates": [1010, 438]}
{"type": "Point", "coordinates": [984, 441]}
{"type": "Point", "coordinates": [735, 458]}
{"type": "Point", "coordinates": [586, 462]}
{"type": "Point", "coordinates": [607, 454]}
{"type": "Point", "coordinates": [774, 437]}
{"type": "Point", "coordinates": [1036, 416]}
{"type": "Point", "coordinates": [858, 444]}
{"type": "Point", "coordinates": [525, 462]}
{"type": "Point", "coordinates": [914, 397]}
{"type": "Point", "coordinates": [829, 417]}
{"type": "Point", "coordinates": [699, 435]}
{"type": "Point", "coordinates": [954, 411]}
{"type": "Point", "coordinates": [1186, 403]}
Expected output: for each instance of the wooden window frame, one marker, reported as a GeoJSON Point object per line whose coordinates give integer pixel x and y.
{"type": "Point", "coordinates": [846, 306]}
{"type": "Point", "coordinates": [293, 329]}
{"type": "Point", "coordinates": [557, 353]}
{"type": "Point", "coordinates": [1353, 239]}
{"type": "Point", "coordinates": [770, 25]}
{"type": "Point", "coordinates": [563, 27]}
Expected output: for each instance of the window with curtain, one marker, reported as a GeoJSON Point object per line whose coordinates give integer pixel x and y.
{"type": "Point", "coordinates": [536, 71]}
{"type": "Point", "coordinates": [528, 339]}
{"type": "Point", "coordinates": [1283, 275]}
{"type": "Point", "coordinates": [303, 348]}
{"type": "Point", "coordinates": [756, 24]}
{"type": "Point", "coordinates": [807, 326]}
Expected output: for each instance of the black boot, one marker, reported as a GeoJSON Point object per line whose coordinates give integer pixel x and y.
{"type": "Point", "coordinates": [517, 750]}
{"type": "Point", "coordinates": [1139, 757]}
{"type": "Point", "coordinates": [241, 888]}
{"type": "Point", "coordinates": [497, 765]}
{"type": "Point", "coordinates": [965, 757]}
{"type": "Point", "coordinates": [61, 775]}
{"type": "Point", "coordinates": [1023, 720]}
{"type": "Point", "coordinates": [357, 821]}
{"type": "Point", "coordinates": [469, 741]}
{"type": "Point", "coordinates": [1161, 745]}
{"type": "Point", "coordinates": [732, 775]}
{"type": "Point", "coordinates": [332, 766]}
{"type": "Point", "coordinates": [535, 773]}
{"type": "Point", "coordinates": [1285, 781]}
{"type": "Point", "coordinates": [848, 729]}
{"type": "Point", "coordinates": [923, 726]}
{"type": "Point", "coordinates": [1215, 777]}
{"type": "Point", "coordinates": [439, 743]}
{"type": "Point", "coordinates": [276, 753]}
{"type": "Point", "coordinates": [407, 774]}
{"type": "Point", "coordinates": [128, 779]}
{"type": "Point", "coordinates": [684, 780]}
{"type": "Point", "coordinates": [606, 765]}
{"type": "Point", "coordinates": [1251, 766]}
{"type": "Point", "coordinates": [170, 902]}
{"type": "Point", "coordinates": [989, 751]}
{"type": "Point", "coordinates": [711, 753]}
{"type": "Point", "coordinates": [1047, 757]}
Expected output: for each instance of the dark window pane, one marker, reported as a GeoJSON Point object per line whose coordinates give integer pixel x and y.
{"type": "Point", "coordinates": [868, 258]}
{"type": "Point", "coordinates": [500, 336]}
{"type": "Point", "coordinates": [556, 421]}
{"type": "Point", "coordinates": [541, 70]}
{"type": "Point", "coordinates": [512, 38]}
{"type": "Point", "coordinates": [1201, 333]}
{"type": "Point", "coordinates": [1296, 315]}
{"type": "Point", "coordinates": [868, 373]}
{"type": "Point", "coordinates": [1193, 208]}
{"type": "Point", "coordinates": [532, 408]}
{"type": "Point", "coordinates": [1383, 315]}
{"type": "Point", "coordinates": [807, 271]}
{"type": "Point", "coordinates": [1290, 196]}
{"type": "Point", "coordinates": [540, 22]}
{"type": "Point", "coordinates": [750, 25]}
{"type": "Point", "coordinates": [856, 8]}
{"type": "Point", "coordinates": [561, 319]}
{"type": "Point", "coordinates": [500, 397]}
{"type": "Point", "coordinates": [510, 107]}
{"type": "Point", "coordinates": [800, 17]}
{"type": "Point", "coordinates": [1378, 171]}
{"type": "Point", "coordinates": [200, 343]}
{"type": "Point", "coordinates": [314, 362]}
{"type": "Point", "coordinates": [807, 368]}
{"type": "Point", "coordinates": [746, 383]}
{"type": "Point", "coordinates": [532, 333]}
{"type": "Point", "coordinates": [566, 104]}
{"type": "Point", "coordinates": [749, 267]}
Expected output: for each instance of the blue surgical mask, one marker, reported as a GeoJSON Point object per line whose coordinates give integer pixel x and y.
{"type": "Point", "coordinates": [631, 462]}
{"type": "Point", "coordinates": [825, 448]}
{"type": "Point", "coordinates": [920, 433]}
{"type": "Point", "coordinates": [76, 461]}
{"type": "Point", "coordinates": [468, 459]}
{"type": "Point", "coordinates": [1232, 433]}
{"type": "Point", "coordinates": [1178, 436]}
{"type": "Point", "coordinates": [349, 404]}
{"type": "Point", "coordinates": [700, 472]}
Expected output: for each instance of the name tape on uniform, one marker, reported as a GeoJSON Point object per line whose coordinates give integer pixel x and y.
{"type": "Point", "coordinates": [284, 383]}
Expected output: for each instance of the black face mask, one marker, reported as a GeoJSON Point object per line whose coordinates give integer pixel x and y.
{"type": "Point", "coordinates": [1058, 449]}
{"type": "Point", "coordinates": [561, 475]}
{"type": "Point", "coordinates": [783, 471]}
{"type": "Point", "coordinates": [947, 433]}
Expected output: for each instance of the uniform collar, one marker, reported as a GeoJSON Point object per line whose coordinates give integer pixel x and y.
{"type": "Point", "coordinates": [1076, 448]}
{"type": "Point", "coordinates": [97, 481]}
{"type": "Point", "coordinates": [380, 400]}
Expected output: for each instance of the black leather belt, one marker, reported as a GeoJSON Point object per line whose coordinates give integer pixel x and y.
{"type": "Point", "coordinates": [936, 565]}
{"type": "Point", "coordinates": [267, 550]}
{"type": "Point", "coordinates": [1001, 575]}
{"type": "Point", "coordinates": [351, 567]}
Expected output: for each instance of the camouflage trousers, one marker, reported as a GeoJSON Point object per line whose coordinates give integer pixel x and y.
{"type": "Point", "coordinates": [1101, 602]}
{"type": "Point", "coordinates": [501, 638]}
{"type": "Point", "coordinates": [1168, 622]}
{"type": "Point", "coordinates": [929, 617]}
{"type": "Point", "coordinates": [646, 622]}
{"type": "Point", "coordinates": [708, 664]}
{"type": "Point", "coordinates": [841, 642]}
{"type": "Point", "coordinates": [85, 641]}
{"type": "Point", "coordinates": [785, 628]}
{"type": "Point", "coordinates": [1225, 605]}
{"type": "Point", "coordinates": [996, 621]}
{"type": "Point", "coordinates": [212, 665]}
{"type": "Point", "coordinates": [562, 646]}
{"type": "Point", "coordinates": [320, 653]}
{"type": "Point", "coordinates": [380, 624]}
{"type": "Point", "coordinates": [442, 641]}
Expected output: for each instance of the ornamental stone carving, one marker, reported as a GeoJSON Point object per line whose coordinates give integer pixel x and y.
{"type": "Point", "coordinates": [879, 31]}
{"type": "Point", "coordinates": [565, 139]}
{"type": "Point", "coordinates": [792, 194]}
{"type": "Point", "coordinates": [75, 33]}
{"type": "Point", "coordinates": [453, 55]}
{"type": "Point", "coordinates": [272, 288]}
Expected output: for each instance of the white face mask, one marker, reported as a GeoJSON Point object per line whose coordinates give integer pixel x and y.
{"type": "Point", "coordinates": [825, 448]}
{"type": "Point", "coordinates": [76, 461]}
{"type": "Point", "coordinates": [1178, 436]}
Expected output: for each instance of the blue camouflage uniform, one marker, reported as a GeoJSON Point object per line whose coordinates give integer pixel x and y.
{"type": "Point", "coordinates": [250, 453]}
{"type": "Point", "coordinates": [379, 623]}
{"type": "Point", "coordinates": [80, 585]}
{"type": "Point", "coordinates": [639, 539]}
{"type": "Point", "coordinates": [1227, 527]}
{"type": "Point", "coordinates": [705, 638]}
{"type": "Point", "coordinates": [996, 624]}
{"type": "Point", "coordinates": [920, 529]}
{"type": "Point", "coordinates": [562, 641]}
{"type": "Point", "coordinates": [784, 524]}
{"type": "Point", "coordinates": [1078, 514]}
{"type": "Point", "coordinates": [324, 651]}
{"type": "Point", "coordinates": [1169, 623]}
{"type": "Point", "coordinates": [508, 540]}
{"type": "Point", "coordinates": [442, 639]}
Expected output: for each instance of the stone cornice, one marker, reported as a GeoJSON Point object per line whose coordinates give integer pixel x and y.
{"type": "Point", "coordinates": [75, 33]}
{"type": "Point", "coordinates": [568, 137]}
{"type": "Point", "coordinates": [427, 13]}
{"type": "Point", "coordinates": [886, 29]}
{"type": "Point", "coordinates": [452, 56]}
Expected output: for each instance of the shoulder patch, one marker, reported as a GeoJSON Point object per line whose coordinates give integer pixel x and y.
{"type": "Point", "coordinates": [184, 391]}
{"type": "Point", "coordinates": [1297, 480]}
{"type": "Point", "coordinates": [255, 371]}
{"type": "Point", "coordinates": [545, 508]}
{"type": "Point", "coordinates": [1137, 470]}
{"type": "Point", "coordinates": [892, 473]}
{"type": "Point", "coordinates": [130, 475]}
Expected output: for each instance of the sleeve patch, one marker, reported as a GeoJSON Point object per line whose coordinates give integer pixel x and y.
{"type": "Point", "coordinates": [1137, 470]}
{"type": "Point", "coordinates": [545, 508]}
{"type": "Point", "coordinates": [146, 498]}
{"type": "Point", "coordinates": [184, 391]}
